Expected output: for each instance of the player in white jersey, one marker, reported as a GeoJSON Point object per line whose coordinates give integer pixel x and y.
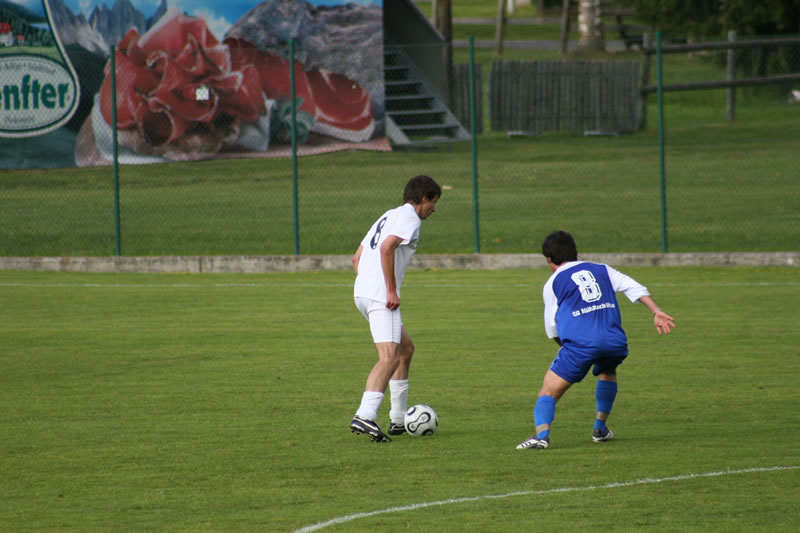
{"type": "Point", "coordinates": [581, 314]}
{"type": "Point", "coordinates": [380, 264]}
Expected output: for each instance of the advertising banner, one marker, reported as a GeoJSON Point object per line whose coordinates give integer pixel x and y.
{"type": "Point", "coordinates": [193, 79]}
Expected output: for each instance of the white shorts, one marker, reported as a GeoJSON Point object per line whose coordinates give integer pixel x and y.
{"type": "Point", "coordinates": [386, 325]}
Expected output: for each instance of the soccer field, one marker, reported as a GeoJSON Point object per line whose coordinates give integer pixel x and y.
{"type": "Point", "coordinates": [215, 402]}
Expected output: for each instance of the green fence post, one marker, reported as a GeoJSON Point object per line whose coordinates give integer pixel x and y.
{"type": "Point", "coordinates": [117, 231]}
{"type": "Point", "coordinates": [294, 150]}
{"type": "Point", "coordinates": [664, 246]}
{"type": "Point", "coordinates": [473, 129]}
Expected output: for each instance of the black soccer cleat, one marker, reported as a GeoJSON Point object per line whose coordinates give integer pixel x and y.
{"type": "Point", "coordinates": [368, 427]}
{"type": "Point", "coordinates": [602, 435]}
{"type": "Point", "coordinates": [396, 428]}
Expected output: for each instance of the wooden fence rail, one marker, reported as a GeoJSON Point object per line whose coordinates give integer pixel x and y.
{"type": "Point", "coordinates": [649, 49]}
{"type": "Point", "coordinates": [730, 83]}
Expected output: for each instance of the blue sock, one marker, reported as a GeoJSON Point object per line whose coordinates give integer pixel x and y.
{"type": "Point", "coordinates": [543, 413]}
{"type": "Point", "coordinates": [605, 393]}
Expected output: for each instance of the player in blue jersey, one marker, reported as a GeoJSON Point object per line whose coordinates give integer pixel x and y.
{"type": "Point", "coordinates": [380, 263]}
{"type": "Point", "coordinates": [581, 314]}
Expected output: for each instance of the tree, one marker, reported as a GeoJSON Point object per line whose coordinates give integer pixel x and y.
{"type": "Point", "coordinates": [767, 17]}
{"type": "Point", "coordinates": [713, 18]}
{"type": "Point", "coordinates": [445, 27]}
{"type": "Point", "coordinates": [590, 25]}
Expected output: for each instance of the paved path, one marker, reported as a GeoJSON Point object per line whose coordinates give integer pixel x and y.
{"type": "Point", "coordinates": [530, 21]}
{"type": "Point", "coordinates": [538, 44]}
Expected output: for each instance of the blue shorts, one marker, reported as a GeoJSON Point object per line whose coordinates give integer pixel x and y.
{"type": "Point", "coordinates": [573, 368]}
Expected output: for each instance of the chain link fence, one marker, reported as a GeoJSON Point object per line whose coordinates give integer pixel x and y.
{"type": "Point", "coordinates": [221, 179]}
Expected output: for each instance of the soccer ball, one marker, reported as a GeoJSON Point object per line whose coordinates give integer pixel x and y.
{"type": "Point", "coordinates": [421, 420]}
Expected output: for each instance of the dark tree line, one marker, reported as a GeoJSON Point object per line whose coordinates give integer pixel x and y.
{"type": "Point", "coordinates": [709, 18]}
{"type": "Point", "coordinates": [712, 19]}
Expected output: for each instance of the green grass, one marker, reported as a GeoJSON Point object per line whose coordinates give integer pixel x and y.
{"type": "Point", "coordinates": [137, 402]}
{"type": "Point", "coordinates": [729, 187]}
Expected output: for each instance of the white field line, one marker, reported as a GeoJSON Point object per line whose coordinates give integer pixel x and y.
{"type": "Point", "coordinates": [644, 481]}
{"type": "Point", "coordinates": [167, 285]}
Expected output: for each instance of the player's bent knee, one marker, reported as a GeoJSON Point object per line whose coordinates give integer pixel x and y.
{"type": "Point", "coordinates": [407, 352]}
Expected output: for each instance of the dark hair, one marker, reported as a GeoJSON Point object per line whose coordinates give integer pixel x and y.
{"type": "Point", "coordinates": [420, 187]}
{"type": "Point", "coordinates": [560, 247]}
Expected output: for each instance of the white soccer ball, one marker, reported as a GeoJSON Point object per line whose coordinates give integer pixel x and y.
{"type": "Point", "coordinates": [421, 421]}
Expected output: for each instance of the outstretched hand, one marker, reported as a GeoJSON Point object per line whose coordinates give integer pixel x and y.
{"type": "Point", "coordinates": [662, 322]}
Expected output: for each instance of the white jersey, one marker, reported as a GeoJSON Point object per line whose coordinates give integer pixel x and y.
{"type": "Point", "coordinates": [402, 222]}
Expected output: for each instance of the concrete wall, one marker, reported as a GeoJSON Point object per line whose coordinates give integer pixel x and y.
{"type": "Point", "coordinates": [301, 263]}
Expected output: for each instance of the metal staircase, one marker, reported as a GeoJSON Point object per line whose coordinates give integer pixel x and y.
{"type": "Point", "coordinates": [414, 112]}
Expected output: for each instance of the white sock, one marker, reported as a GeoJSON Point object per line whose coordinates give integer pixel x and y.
{"type": "Point", "coordinates": [399, 392]}
{"type": "Point", "coordinates": [370, 402]}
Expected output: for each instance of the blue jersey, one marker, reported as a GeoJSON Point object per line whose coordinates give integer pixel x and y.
{"type": "Point", "coordinates": [581, 308]}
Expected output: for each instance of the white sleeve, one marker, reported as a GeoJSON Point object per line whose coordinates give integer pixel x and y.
{"type": "Point", "coordinates": [632, 289]}
{"type": "Point", "coordinates": [550, 308]}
